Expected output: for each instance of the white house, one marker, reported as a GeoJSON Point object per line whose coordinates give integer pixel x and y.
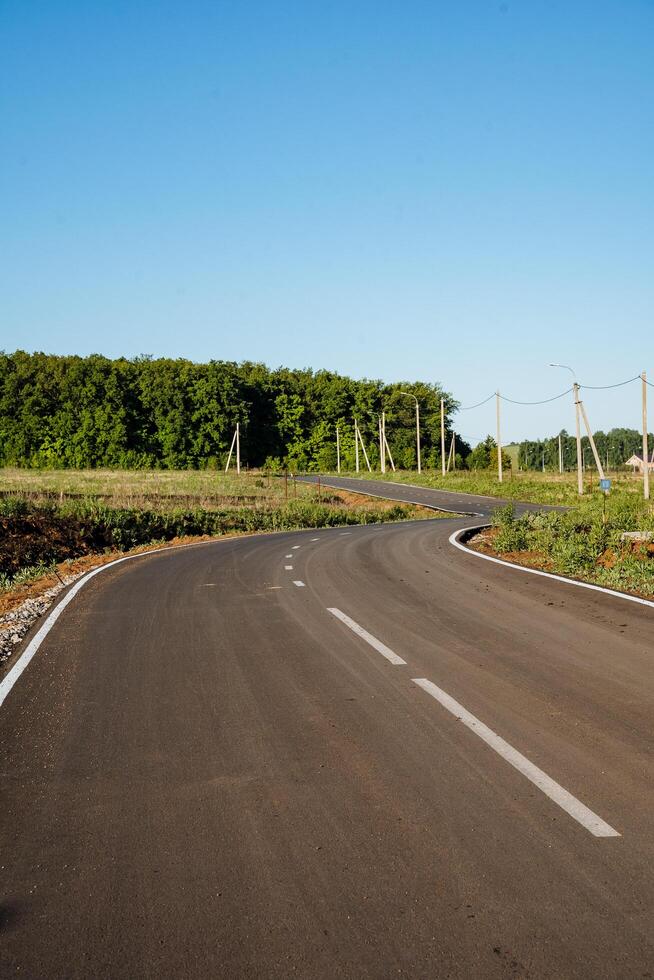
{"type": "Point", "coordinates": [636, 461]}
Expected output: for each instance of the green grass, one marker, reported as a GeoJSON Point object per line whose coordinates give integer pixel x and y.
{"type": "Point", "coordinates": [584, 542]}
{"type": "Point", "coordinates": [539, 488]}
{"type": "Point", "coordinates": [155, 489]}
{"type": "Point", "coordinates": [37, 531]}
{"type": "Point", "coordinates": [211, 489]}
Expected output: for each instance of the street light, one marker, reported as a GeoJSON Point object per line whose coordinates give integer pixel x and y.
{"type": "Point", "coordinates": [410, 394]}
{"type": "Point", "coordinates": [567, 368]}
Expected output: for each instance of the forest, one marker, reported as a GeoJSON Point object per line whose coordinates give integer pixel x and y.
{"type": "Point", "coordinates": [70, 411]}
{"type": "Point", "coordinates": [613, 447]}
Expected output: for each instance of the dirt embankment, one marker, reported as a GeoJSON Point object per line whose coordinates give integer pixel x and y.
{"type": "Point", "coordinates": [484, 541]}
{"type": "Point", "coordinates": [43, 537]}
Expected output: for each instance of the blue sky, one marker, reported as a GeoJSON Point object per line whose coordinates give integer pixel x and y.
{"type": "Point", "coordinates": [455, 192]}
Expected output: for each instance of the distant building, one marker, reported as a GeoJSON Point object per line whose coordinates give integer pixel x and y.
{"type": "Point", "coordinates": [636, 461]}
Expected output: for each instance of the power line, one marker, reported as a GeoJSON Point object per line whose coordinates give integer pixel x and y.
{"type": "Point", "coordinates": [544, 401]}
{"type": "Point", "coordinates": [604, 387]}
{"type": "Point", "coordinates": [467, 408]}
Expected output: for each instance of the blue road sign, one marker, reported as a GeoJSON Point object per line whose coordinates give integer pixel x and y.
{"type": "Point", "coordinates": [605, 485]}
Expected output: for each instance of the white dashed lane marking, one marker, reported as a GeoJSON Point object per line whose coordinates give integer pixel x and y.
{"type": "Point", "coordinates": [574, 807]}
{"type": "Point", "coordinates": [368, 637]}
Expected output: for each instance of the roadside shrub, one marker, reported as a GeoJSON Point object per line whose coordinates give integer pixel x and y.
{"type": "Point", "coordinates": [586, 541]}
{"type": "Point", "coordinates": [511, 532]}
{"type": "Point", "coordinates": [37, 535]}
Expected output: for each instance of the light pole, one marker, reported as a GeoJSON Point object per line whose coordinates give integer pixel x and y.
{"type": "Point", "coordinates": [410, 394]}
{"type": "Point", "coordinates": [575, 395]}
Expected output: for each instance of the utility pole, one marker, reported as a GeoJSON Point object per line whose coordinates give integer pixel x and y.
{"type": "Point", "coordinates": [645, 440]}
{"type": "Point", "coordinates": [499, 440]}
{"type": "Point", "coordinates": [580, 459]}
{"type": "Point", "coordinates": [443, 436]}
{"type": "Point", "coordinates": [338, 450]}
{"type": "Point", "coordinates": [365, 454]}
{"type": "Point", "coordinates": [236, 441]}
{"type": "Point", "coordinates": [450, 457]}
{"type": "Point", "coordinates": [560, 455]}
{"type": "Point", "coordinates": [591, 440]}
{"type": "Point", "coordinates": [388, 448]}
{"type": "Point", "coordinates": [356, 445]}
{"type": "Point", "coordinates": [575, 395]}
{"type": "Point", "coordinates": [382, 451]}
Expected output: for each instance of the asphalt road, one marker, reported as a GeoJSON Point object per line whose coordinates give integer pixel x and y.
{"type": "Point", "coordinates": [473, 505]}
{"type": "Point", "coordinates": [205, 772]}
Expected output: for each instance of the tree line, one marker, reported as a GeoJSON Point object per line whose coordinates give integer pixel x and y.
{"type": "Point", "coordinates": [69, 411]}
{"type": "Point", "coordinates": [614, 449]}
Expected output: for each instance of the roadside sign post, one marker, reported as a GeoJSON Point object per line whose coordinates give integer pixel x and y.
{"type": "Point", "coordinates": [605, 486]}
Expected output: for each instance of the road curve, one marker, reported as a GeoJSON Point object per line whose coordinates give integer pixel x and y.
{"type": "Point", "coordinates": [466, 504]}
{"type": "Point", "coordinates": [205, 772]}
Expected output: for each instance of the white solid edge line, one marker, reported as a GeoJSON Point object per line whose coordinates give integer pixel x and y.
{"type": "Point", "coordinates": [398, 500]}
{"type": "Point", "coordinates": [368, 637]}
{"type": "Point", "coordinates": [574, 807]}
{"type": "Point", "coordinates": [454, 493]}
{"type": "Point", "coordinates": [23, 661]}
{"type": "Point", "coordinates": [299, 584]}
{"type": "Point", "coordinates": [454, 539]}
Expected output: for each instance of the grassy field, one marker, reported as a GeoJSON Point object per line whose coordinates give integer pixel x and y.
{"type": "Point", "coordinates": [49, 516]}
{"type": "Point", "coordinates": [585, 542]}
{"type": "Point", "coordinates": [155, 489]}
{"type": "Point", "coordinates": [208, 489]}
{"type": "Point", "coordinates": [540, 488]}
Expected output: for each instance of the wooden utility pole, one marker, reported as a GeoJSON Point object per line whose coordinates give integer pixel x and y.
{"type": "Point", "coordinates": [356, 445]}
{"type": "Point", "coordinates": [499, 437]}
{"type": "Point", "coordinates": [450, 456]}
{"type": "Point", "coordinates": [365, 454]}
{"type": "Point", "coordinates": [560, 456]}
{"type": "Point", "coordinates": [580, 459]}
{"type": "Point", "coordinates": [236, 441]}
{"type": "Point", "coordinates": [598, 463]}
{"type": "Point", "coordinates": [645, 440]}
{"type": "Point", "coordinates": [231, 450]}
{"type": "Point", "coordinates": [338, 451]}
{"type": "Point", "coordinates": [388, 448]}
{"type": "Point", "coordinates": [383, 444]}
{"type": "Point", "coordinates": [443, 436]}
